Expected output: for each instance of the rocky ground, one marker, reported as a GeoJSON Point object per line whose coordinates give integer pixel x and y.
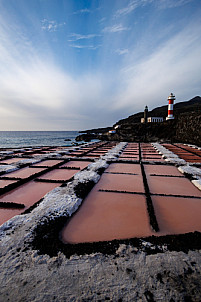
{"type": "Point", "coordinates": [129, 274]}
{"type": "Point", "coordinates": [36, 266]}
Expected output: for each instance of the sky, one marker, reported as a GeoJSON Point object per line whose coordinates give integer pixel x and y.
{"type": "Point", "coordinates": [81, 64]}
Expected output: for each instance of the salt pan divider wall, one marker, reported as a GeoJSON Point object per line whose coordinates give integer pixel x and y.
{"type": "Point", "coordinates": [150, 208]}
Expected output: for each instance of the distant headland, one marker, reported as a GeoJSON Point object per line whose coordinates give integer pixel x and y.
{"type": "Point", "coordinates": [185, 127]}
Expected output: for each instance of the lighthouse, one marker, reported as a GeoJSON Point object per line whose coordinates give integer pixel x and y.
{"type": "Point", "coordinates": [171, 99]}
{"type": "Point", "coordinates": [145, 114]}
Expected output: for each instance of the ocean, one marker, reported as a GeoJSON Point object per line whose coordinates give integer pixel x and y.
{"type": "Point", "coordinates": [18, 139]}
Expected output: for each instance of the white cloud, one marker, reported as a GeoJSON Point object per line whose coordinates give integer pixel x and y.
{"type": "Point", "coordinates": [51, 25]}
{"type": "Point", "coordinates": [82, 11]}
{"type": "Point", "coordinates": [162, 4]}
{"type": "Point", "coordinates": [75, 37]}
{"type": "Point", "coordinates": [174, 67]}
{"type": "Point", "coordinates": [122, 51]}
{"type": "Point", "coordinates": [36, 94]}
{"type": "Point", "coordinates": [132, 5]}
{"type": "Point", "coordinates": [90, 47]}
{"type": "Point", "coordinates": [102, 20]}
{"type": "Point", "coordinates": [115, 28]}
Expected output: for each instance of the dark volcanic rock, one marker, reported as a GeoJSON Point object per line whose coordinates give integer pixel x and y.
{"type": "Point", "coordinates": [188, 128]}
{"type": "Point", "coordinates": [185, 128]}
{"type": "Point", "coordinates": [138, 132]}
{"type": "Point", "coordinates": [97, 130]}
{"type": "Point", "coordinates": [87, 137]}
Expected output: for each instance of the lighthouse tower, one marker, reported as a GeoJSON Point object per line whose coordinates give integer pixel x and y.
{"type": "Point", "coordinates": [171, 99]}
{"type": "Point", "coordinates": [145, 114]}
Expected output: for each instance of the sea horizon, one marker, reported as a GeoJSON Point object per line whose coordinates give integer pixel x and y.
{"type": "Point", "coordinates": [34, 138]}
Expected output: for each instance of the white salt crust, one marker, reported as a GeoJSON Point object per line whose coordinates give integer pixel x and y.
{"type": "Point", "coordinates": [7, 168]}
{"type": "Point", "coordinates": [15, 166]}
{"type": "Point", "coordinates": [185, 168]}
{"type": "Point", "coordinates": [190, 170]}
{"type": "Point", "coordinates": [27, 161]}
{"type": "Point", "coordinates": [197, 183]}
{"type": "Point", "coordinates": [60, 201]}
{"type": "Point", "coordinates": [168, 155]}
{"type": "Point", "coordinates": [6, 152]}
{"type": "Point", "coordinates": [193, 146]}
{"type": "Point", "coordinates": [134, 275]}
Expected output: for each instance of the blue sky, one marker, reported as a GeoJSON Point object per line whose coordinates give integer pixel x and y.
{"type": "Point", "coordinates": [74, 65]}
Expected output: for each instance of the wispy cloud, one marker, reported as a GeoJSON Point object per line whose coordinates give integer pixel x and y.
{"type": "Point", "coordinates": [35, 93]}
{"type": "Point", "coordinates": [171, 66]}
{"type": "Point", "coordinates": [163, 4]}
{"type": "Point", "coordinates": [82, 11]}
{"type": "Point", "coordinates": [102, 20]}
{"type": "Point", "coordinates": [90, 47]}
{"type": "Point", "coordinates": [86, 11]}
{"type": "Point", "coordinates": [122, 51]}
{"type": "Point", "coordinates": [51, 25]}
{"type": "Point", "coordinates": [132, 5]}
{"type": "Point", "coordinates": [76, 37]}
{"type": "Point", "coordinates": [115, 28]}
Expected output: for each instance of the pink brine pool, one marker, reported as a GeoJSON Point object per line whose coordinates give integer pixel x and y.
{"type": "Point", "coordinates": [6, 214]}
{"type": "Point", "coordinates": [77, 164]}
{"type": "Point", "coordinates": [124, 168]}
{"type": "Point", "coordinates": [162, 170]}
{"type": "Point", "coordinates": [12, 160]}
{"type": "Point", "coordinates": [4, 183]}
{"type": "Point", "coordinates": [177, 215]}
{"type": "Point", "coordinates": [172, 186]}
{"type": "Point", "coordinates": [121, 182]}
{"type": "Point", "coordinates": [24, 172]}
{"type": "Point", "coordinates": [48, 163]}
{"type": "Point", "coordinates": [59, 174]}
{"type": "Point", "coordinates": [27, 194]}
{"type": "Point", "coordinates": [106, 216]}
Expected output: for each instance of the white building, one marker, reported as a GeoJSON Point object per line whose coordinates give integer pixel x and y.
{"type": "Point", "coordinates": [153, 119]}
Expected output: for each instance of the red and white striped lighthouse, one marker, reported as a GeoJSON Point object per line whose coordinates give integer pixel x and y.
{"type": "Point", "coordinates": [171, 99]}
